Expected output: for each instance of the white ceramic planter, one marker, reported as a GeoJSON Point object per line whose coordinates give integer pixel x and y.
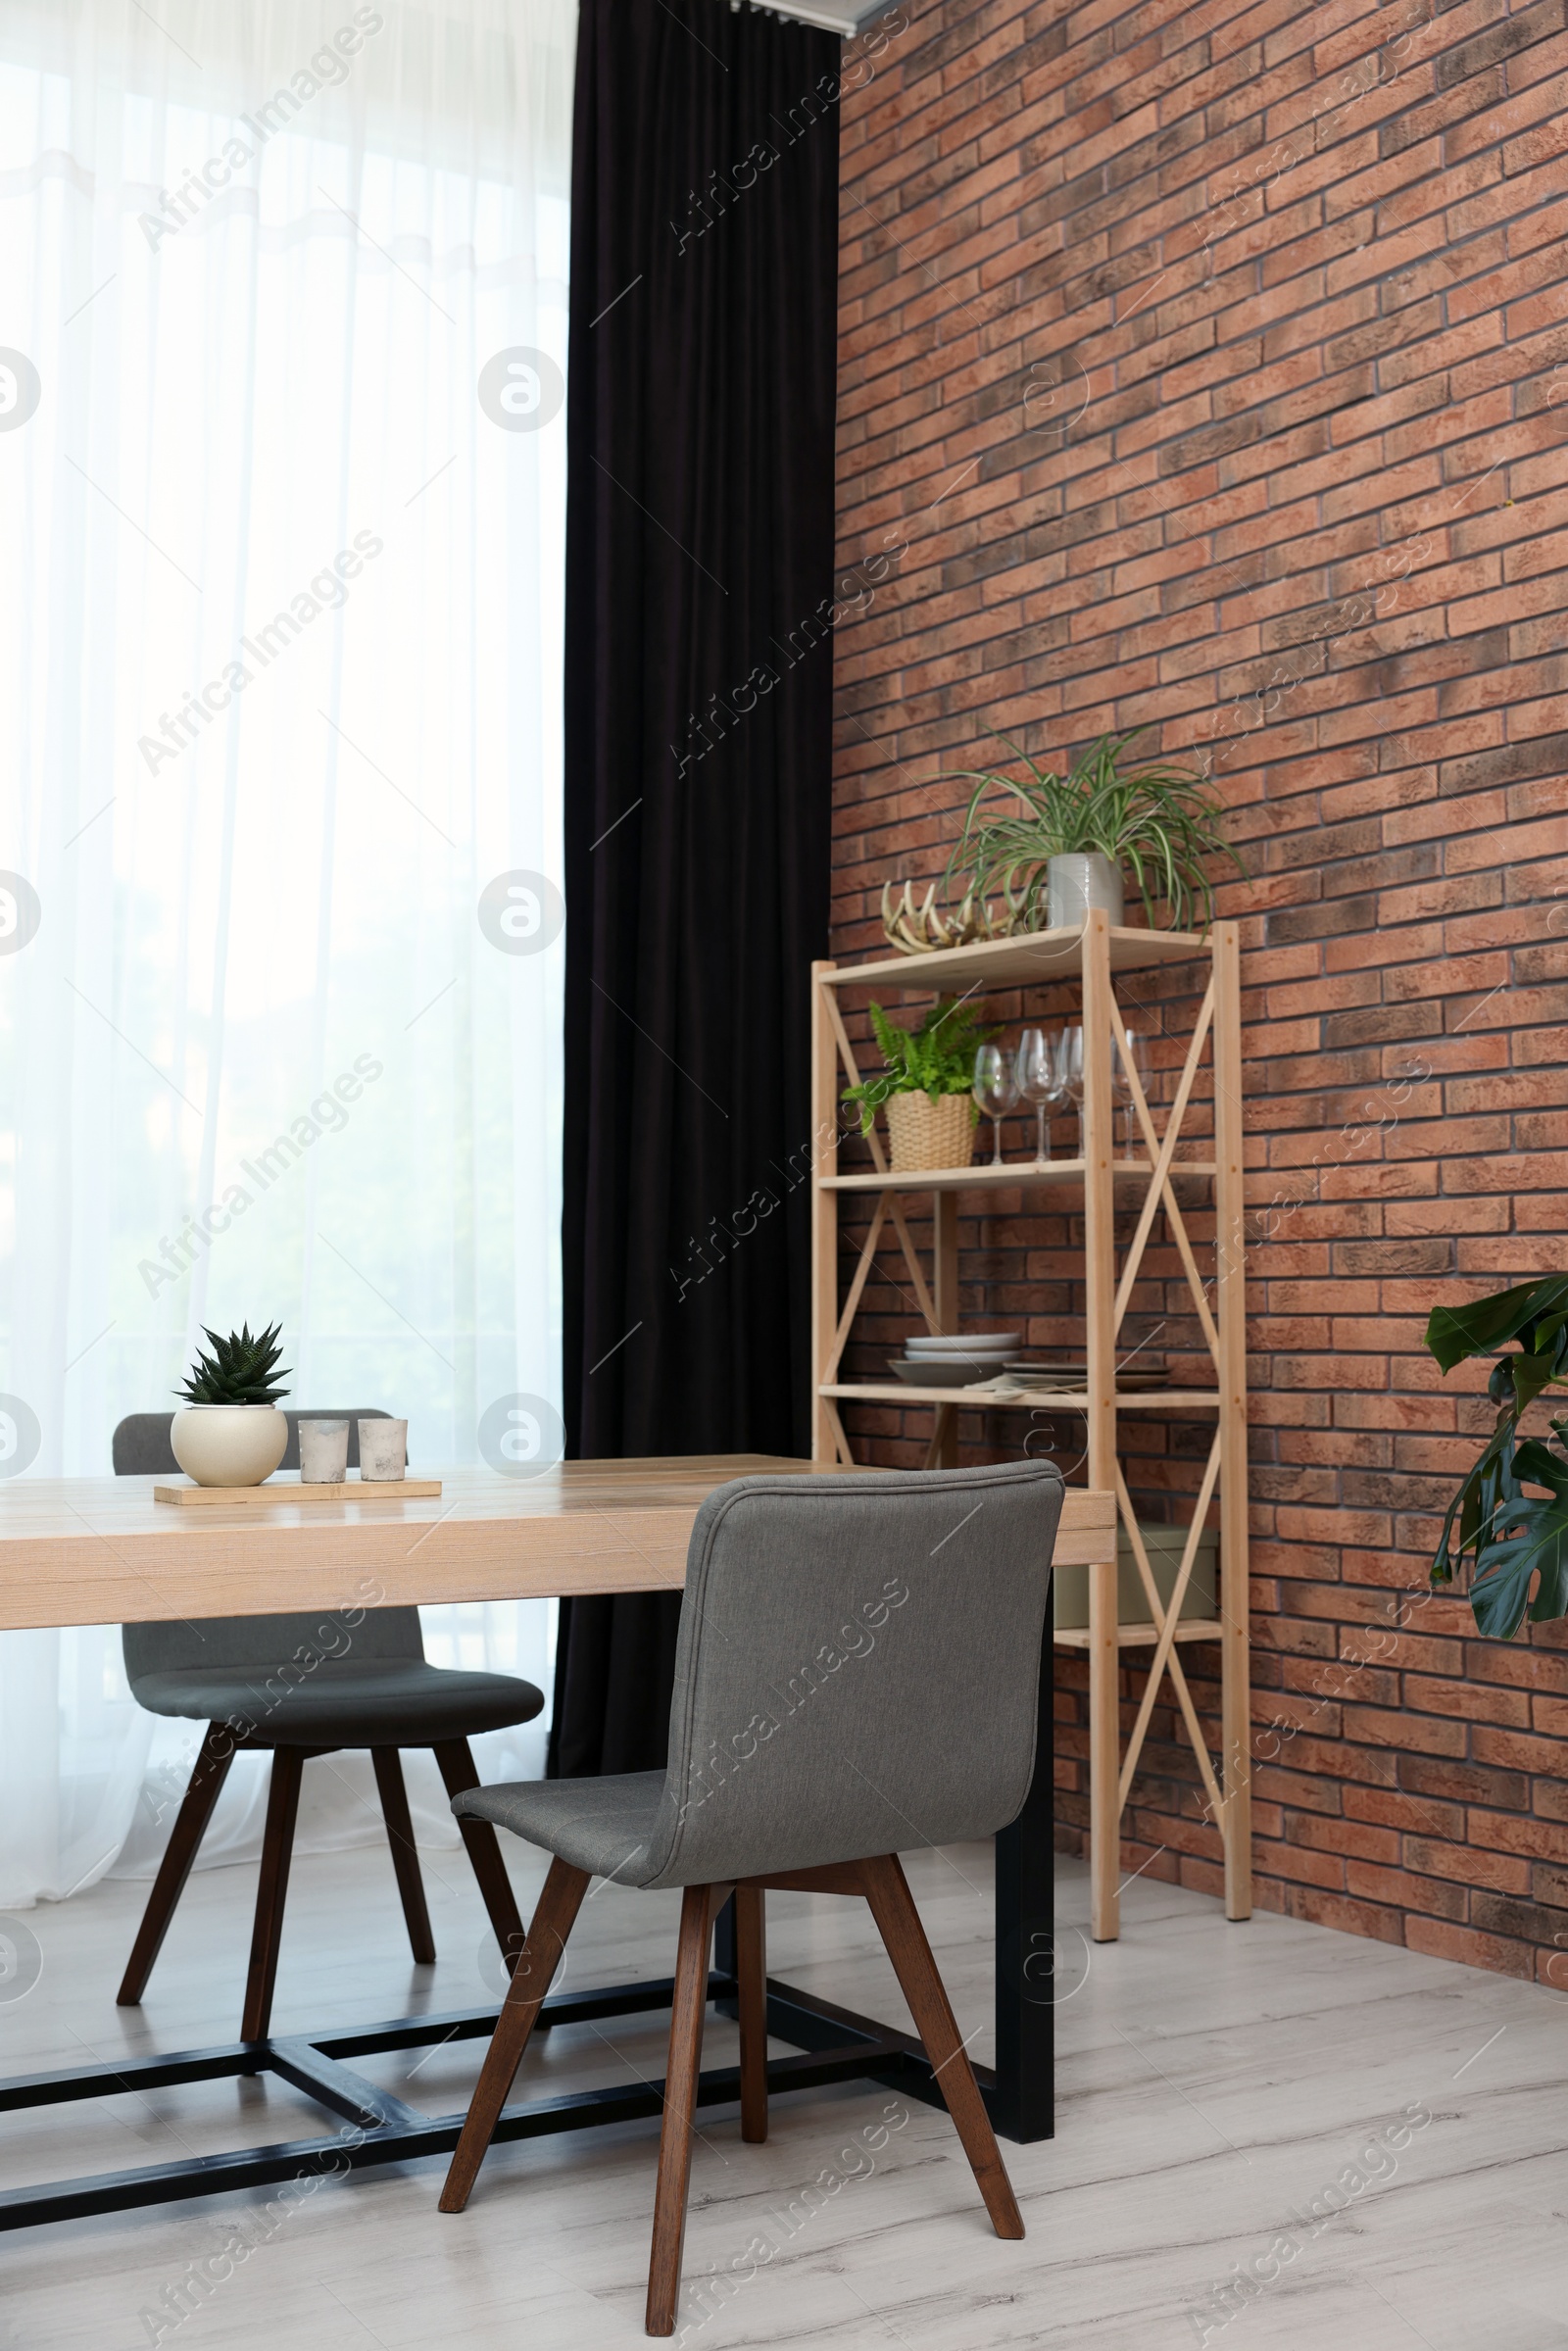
{"type": "Point", "coordinates": [229, 1445]}
{"type": "Point", "coordinates": [1079, 881]}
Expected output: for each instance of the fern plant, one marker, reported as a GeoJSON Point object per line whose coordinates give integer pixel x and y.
{"type": "Point", "coordinates": [935, 1058]}
{"type": "Point", "coordinates": [1146, 813]}
{"type": "Point", "coordinates": [240, 1370]}
{"type": "Point", "coordinates": [1513, 1539]}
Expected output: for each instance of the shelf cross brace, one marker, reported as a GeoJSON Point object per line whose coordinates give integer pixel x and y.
{"type": "Point", "coordinates": [852, 1304]}
{"type": "Point", "coordinates": [1159, 1184]}
{"type": "Point", "coordinates": [1160, 1180]}
{"type": "Point", "coordinates": [1166, 1619]}
{"type": "Point", "coordinates": [922, 1294]}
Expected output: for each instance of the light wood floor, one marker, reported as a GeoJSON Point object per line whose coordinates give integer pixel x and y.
{"type": "Point", "coordinates": [1214, 2082]}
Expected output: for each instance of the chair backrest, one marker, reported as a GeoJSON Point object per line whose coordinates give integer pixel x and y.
{"type": "Point", "coordinates": [141, 1449]}
{"type": "Point", "coordinates": [858, 1668]}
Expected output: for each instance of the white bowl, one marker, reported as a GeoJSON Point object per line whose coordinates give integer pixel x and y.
{"type": "Point", "coordinates": [965, 1343]}
{"type": "Point", "coordinates": [944, 1371]}
{"type": "Point", "coordinates": [970, 1355]}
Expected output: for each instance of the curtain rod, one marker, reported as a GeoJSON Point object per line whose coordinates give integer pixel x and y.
{"type": "Point", "coordinates": [844, 16]}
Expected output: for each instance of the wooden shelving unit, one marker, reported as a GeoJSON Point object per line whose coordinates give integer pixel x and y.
{"type": "Point", "coordinates": [1092, 956]}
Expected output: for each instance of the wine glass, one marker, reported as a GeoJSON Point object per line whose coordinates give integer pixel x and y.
{"type": "Point", "coordinates": [1070, 1070]}
{"type": "Point", "coordinates": [1039, 1082]}
{"type": "Point", "coordinates": [995, 1090]}
{"type": "Point", "coordinates": [1137, 1054]}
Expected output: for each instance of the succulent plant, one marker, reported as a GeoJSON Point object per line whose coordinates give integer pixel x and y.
{"type": "Point", "coordinates": [240, 1370]}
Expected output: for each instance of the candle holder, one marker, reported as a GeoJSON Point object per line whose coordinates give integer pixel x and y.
{"type": "Point", "coordinates": [383, 1450]}
{"type": "Point", "coordinates": [323, 1452]}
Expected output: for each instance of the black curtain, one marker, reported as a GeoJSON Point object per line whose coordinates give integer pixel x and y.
{"type": "Point", "coordinates": [698, 681]}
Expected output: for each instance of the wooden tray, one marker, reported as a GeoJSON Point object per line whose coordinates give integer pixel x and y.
{"type": "Point", "coordinates": [293, 1490]}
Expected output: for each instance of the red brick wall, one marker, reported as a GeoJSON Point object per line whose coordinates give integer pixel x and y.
{"type": "Point", "coordinates": [1198, 367]}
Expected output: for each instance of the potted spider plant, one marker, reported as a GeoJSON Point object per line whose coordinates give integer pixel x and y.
{"type": "Point", "coordinates": [1068, 842]}
{"type": "Point", "coordinates": [1514, 1540]}
{"type": "Point", "coordinates": [229, 1432]}
{"type": "Point", "coordinates": [925, 1086]}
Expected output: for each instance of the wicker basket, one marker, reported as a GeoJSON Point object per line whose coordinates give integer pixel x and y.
{"type": "Point", "coordinates": [927, 1131]}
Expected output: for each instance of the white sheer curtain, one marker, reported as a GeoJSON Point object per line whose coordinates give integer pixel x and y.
{"type": "Point", "coordinates": [283, 474]}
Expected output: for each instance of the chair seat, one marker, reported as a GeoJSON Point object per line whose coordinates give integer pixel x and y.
{"type": "Point", "coordinates": [600, 1826]}
{"type": "Point", "coordinates": [350, 1702]}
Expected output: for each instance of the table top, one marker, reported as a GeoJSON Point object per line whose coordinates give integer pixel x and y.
{"type": "Point", "coordinates": [100, 1550]}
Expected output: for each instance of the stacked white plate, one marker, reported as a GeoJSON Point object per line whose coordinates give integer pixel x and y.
{"type": "Point", "coordinates": [955, 1361]}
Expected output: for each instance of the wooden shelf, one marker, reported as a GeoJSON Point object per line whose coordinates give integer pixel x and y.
{"type": "Point", "coordinates": [1141, 1636]}
{"type": "Point", "coordinates": [1028, 962]}
{"type": "Point", "coordinates": [904, 1392]}
{"type": "Point", "coordinates": [983, 1177]}
{"type": "Point", "coordinates": [1117, 1204]}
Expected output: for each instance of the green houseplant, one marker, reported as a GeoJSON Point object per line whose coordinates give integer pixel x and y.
{"type": "Point", "coordinates": [924, 1085]}
{"type": "Point", "coordinates": [1513, 1539]}
{"type": "Point", "coordinates": [229, 1432]}
{"type": "Point", "coordinates": [240, 1370]}
{"type": "Point", "coordinates": [1064, 843]}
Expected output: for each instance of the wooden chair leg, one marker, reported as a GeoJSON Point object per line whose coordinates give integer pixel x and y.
{"type": "Point", "coordinates": [484, 1851]}
{"type": "Point", "coordinates": [751, 1977]}
{"type": "Point", "coordinates": [697, 1911]}
{"type": "Point", "coordinates": [553, 1921]}
{"type": "Point", "coordinates": [404, 1859]}
{"type": "Point", "coordinates": [190, 1827]}
{"type": "Point", "coordinates": [277, 1849]}
{"type": "Point", "coordinates": [899, 1923]}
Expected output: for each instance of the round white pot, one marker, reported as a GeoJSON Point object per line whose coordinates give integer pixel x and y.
{"type": "Point", "coordinates": [229, 1445]}
{"type": "Point", "coordinates": [1078, 881]}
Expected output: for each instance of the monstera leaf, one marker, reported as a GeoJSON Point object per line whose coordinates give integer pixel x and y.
{"type": "Point", "coordinates": [1511, 1537]}
{"type": "Point", "coordinates": [1535, 1316]}
{"type": "Point", "coordinates": [1499, 1593]}
{"type": "Point", "coordinates": [1481, 1502]}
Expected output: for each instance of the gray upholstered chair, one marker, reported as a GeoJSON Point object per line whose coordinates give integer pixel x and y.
{"type": "Point", "coordinates": [856, 1672]}
{"type": "Point", "coordinates": [303, 1686]}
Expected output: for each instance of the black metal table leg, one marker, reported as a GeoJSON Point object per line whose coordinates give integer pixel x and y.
{"type": "Point", "coordinates": [724, 1938]}
{"type": "Point", "coordinates": [1022, 2099]}
{"type": "Point", "coordinates": [834, 2044]}
{"type": "Point", "coordinates": [831, 2045]}
{"type": "Point", "coordinates": [1021, 2093]}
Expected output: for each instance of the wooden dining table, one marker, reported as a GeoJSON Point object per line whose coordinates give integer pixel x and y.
{"type": "Point", "coordinates": [102, 1550]}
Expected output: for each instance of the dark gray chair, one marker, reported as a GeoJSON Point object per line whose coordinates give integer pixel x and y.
{"type": "Point", "coordinates": [856, 1672]}
{"type": "Point", "coordinates": [303, 1686]}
